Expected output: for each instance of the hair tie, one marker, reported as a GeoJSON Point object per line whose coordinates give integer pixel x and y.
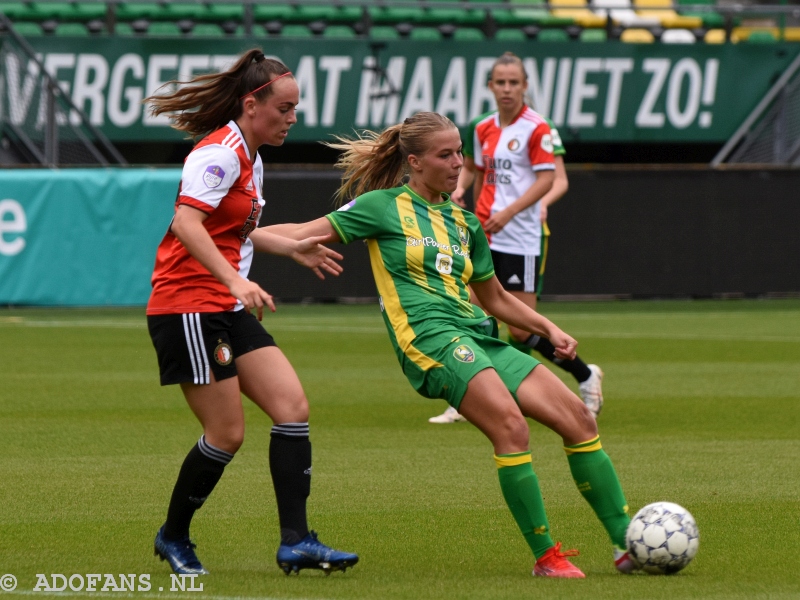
{"type": "Point", "coordinates": [261, 87]}
{"type": "Point", "coordinates": [259, 57]}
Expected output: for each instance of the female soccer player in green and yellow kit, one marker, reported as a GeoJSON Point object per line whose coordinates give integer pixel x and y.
{"type": "Point", "coordinates": [426, 253]}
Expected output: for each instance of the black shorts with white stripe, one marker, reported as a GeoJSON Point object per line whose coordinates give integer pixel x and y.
{"type": "Point", "coordinates": [518, 273]}
{"type": "Point", "coordinates": [191, 346]}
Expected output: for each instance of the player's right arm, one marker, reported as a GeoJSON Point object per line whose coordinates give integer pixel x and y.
{"type": "Point", "coordinates": [187, 226]}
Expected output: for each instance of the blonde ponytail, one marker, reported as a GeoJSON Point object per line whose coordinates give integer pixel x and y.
{"type": "Point", "coordinates": [377, 161]}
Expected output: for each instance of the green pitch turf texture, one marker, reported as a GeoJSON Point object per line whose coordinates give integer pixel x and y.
{"type": "Point", "coordinates": [702, 406]}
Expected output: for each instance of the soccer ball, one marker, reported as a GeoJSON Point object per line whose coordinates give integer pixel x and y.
{"type": "Point", "coordinates": [662, 538]}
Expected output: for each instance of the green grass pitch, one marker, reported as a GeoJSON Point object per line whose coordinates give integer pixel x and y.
{"type": "Point", "coordinates": [702, 407]}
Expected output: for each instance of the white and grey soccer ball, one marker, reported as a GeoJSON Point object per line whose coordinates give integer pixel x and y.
{"type": "Point", "coordinates": [662, 538]}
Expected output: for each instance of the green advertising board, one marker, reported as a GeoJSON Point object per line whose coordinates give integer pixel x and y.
{"type": "Point", "coordinates": [594, 92]}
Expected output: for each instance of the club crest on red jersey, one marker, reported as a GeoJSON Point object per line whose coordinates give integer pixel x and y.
{"type": "Point", "coordinates": [513, 145]}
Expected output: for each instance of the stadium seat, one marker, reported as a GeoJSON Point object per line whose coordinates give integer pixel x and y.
{"type": "Point", "coordinates": [440, 13]}
{"type": "Point", "coordinates": [622, 13]}
{"type": "Point", "coordinates": [714, 36]}
{"type": "Point", "coordinates": [678, 36]}
{"type": "Point", "coordinates": [339, 32]}
{"type": "Point", "coordinates": [304, 13]}
{"type": "Point", "coordinates": [745, 34]}
{"type": "Point", "coordinates": [791, 34]}
{"type": "Point", "coordinates": [273, 12]}
{"type": "Point", "coordinates": [296, 31]}
{"type": "Point", "coordinates": [178, 11]}
{"type": "Point", "coordinates": [528, 9]}
{"type": "Point", "coordinates": [59, 11]}
{"type": "Point", "coordinates": [510, 35]}
{"type": "Point", "coordinates": [425, 34]}
{"type": "Point", "coordinates": [15, 10]}
{"type": "Point", "coordinates": [219, 13]}
{"type": "Point", "coordinates": [27, 28]}
{"type": "Point", "coordinates": [593, 35]}
{"type": "Point", "coordinates": [87, 11]}
{"type": "Point", "coordinates": [208, 30]}
{"type": "Point", "coordinates": [710, 18]}
{"type": "Point", "coordinates": [383, 32]}
{"type": "Point", "coordinates": [637, 36]}
{"type": "Point", "coordinates": [663, 11]}
{"type": "Point", "coordinates": [578, 10]}
{"type": "Point", "coordinates": [164, 29]}
{"type": "Point", "coordinates": [124, 30]}
{"type": "Point", "coordinates": [553, 35]}
{"type": "Point", "coordinates": [257, 31]}
{"type": "Point", "coordinates": [392, 15]}
{"type": "Point", "coordinates": [761, 37]}
{"type": "Point", "coordinates": [133, 11]}
{"type": "Point", "coordinates": [71, 30]}
{"type": "Point", "coordinates": [469, 34]}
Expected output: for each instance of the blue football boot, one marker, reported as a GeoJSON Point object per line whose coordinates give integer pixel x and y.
{"type": "Point", "coordinates": [310, 553]}
{"type": "Point", "coordinates": [179, 554]}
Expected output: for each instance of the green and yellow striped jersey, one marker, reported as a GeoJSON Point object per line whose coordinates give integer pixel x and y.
{"type": "Point", "coordinates": [423, 257]}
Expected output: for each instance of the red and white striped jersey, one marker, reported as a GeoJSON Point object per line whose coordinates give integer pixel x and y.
{"type": "Point", "coordinates": [510, 157]}
{"type": "Point", "coordinates": [219, 179]}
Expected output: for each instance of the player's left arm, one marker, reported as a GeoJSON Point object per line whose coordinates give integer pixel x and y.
{"type": "Point", "coordinates": [499, 303]}
{"type": "Point", "coordinates": [301, 242]}
{"type": "Point", "coordinates": [560, 187]}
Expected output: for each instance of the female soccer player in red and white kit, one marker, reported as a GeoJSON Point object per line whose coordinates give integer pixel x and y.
{"type": "Point", "coordinates": [200, 313]}
{"type": "Point", "coordinates": [518, 171]}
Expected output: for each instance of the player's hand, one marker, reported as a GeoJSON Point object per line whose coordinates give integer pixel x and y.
{"type": "Point", "coordinates": [542, 212]}
{"type": "Point", "coordinates": [458, 197]}
{"type": "Point", "coordinates": [312, 254]}
{"type": "Point", "coordinates": [250, 294]}
{"type": "Point", "coordinates": [565, 345]}
{"type": "Point", "coordinates": [497, 221]}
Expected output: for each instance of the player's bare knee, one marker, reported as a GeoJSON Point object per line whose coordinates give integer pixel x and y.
{"type": "Point", "coordinates": [294, 409]}
{"type": "Point", "coordinates": [229, 439]}
{"type": "Point", "coordinates": [585, 424]}
{"type": "Point", "coordinates": [516, 430]}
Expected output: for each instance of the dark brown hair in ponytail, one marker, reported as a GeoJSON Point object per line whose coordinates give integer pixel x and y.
{"type": "Point", "coordinates": [209, 101]}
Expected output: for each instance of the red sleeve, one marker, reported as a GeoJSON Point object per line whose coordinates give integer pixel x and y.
{"type": "Point", "coordinates": [540, 149]}
{"type": "Point", "coordinates": [189, 201]}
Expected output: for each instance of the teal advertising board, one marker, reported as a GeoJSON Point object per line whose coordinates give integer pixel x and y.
{"type": "Point", "coordinates": [610, 92]}
{"type": "Point", "coordinates": [83, 237]}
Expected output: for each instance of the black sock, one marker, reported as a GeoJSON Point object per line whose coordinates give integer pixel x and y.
{"type": "Point", "coordinates": [577, 367]}
{"type": "Point", "coordinates": [200, 472]}
{"type": "Point", "coordinates": [290, 466]}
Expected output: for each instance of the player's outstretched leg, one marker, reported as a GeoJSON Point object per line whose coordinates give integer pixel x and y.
{"type": "Point", "coordinates": [199, 474]}
{"type": "Point", "coordinates": [597, 481]}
